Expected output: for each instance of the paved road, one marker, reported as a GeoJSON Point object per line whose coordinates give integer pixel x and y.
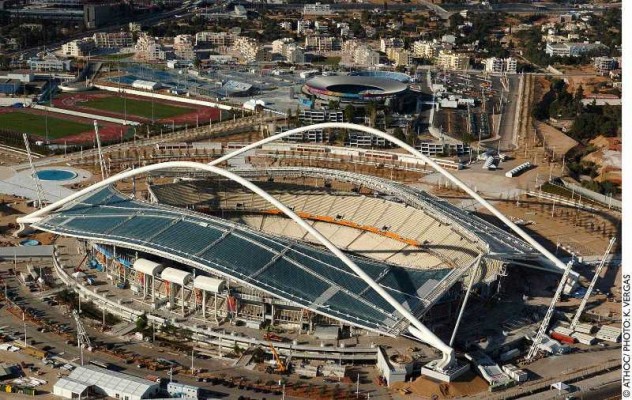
{"type": "Point", "coordinates": [507, 131]}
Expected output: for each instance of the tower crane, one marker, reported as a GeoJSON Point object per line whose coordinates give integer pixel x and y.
{"type": "Point", "coordinates": [83, 340]}
{"type": "Point", "coordinates": [38, 185]}
{"type": "Point", "coordinates": [591, 287]}
{"type": "Point", "coordinates": [549, 313]}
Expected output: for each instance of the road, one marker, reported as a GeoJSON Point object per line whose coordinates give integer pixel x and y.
{"type": "Point", "coordinates": [507, 132]}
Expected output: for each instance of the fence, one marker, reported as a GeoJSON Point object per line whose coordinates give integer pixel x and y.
{"type": "Point", "coordinates": [598, 197]}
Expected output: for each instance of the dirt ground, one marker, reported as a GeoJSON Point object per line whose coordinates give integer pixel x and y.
{"type": "Point", "coordinates": [466, 385]}
{"type": "Point", "coordinates": [555, 138]}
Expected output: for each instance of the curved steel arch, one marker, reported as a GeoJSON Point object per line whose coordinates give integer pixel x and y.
{"type": "Point", "coordinates": [418, 329]}
{"type": "Point", "coordinates": [414, 152]}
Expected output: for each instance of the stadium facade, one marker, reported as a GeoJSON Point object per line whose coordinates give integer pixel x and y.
{"type": "Point", "coordinates": [358, 89]}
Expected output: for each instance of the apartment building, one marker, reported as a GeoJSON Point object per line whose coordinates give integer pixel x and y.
{"type": "Point", "coordinates": [366, 56]}
{"type": "Point", "coordinates": [113, 40]}
{"type": "Point", "coordinates": [574, 49]}
{"type": "Point", "coordinates": [49, 63]}
{"type": "Point", "coordinates": [452, 61]}
{"type": "Point", "coordinates": [321, 43]}
{"type": "Point", "coordinates": [425, 49]}
{"type": "Point", "coordinates": [183, 47]}
{"type": "Point", "coordinates": [78, 47]}
{"type": "Point", "coordinates": [317, 9]}
{"type": "Point", "coordinates": [501, 65]}
{"type": "Point", "coordinates": [247, 47]}
{"type": "Point", "coordinates": [400, 57]}
{"type": "Point", "coordinates": [605, 64]}
{"type": "Point", "coordinates": [391, 43]}
{"type": "Point", "coordinates": [149, 49]}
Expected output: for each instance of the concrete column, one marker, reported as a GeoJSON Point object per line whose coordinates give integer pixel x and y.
{"type": "Point", "coordinates": [182, 295]}
{"type": "Point", "coordinates": [204, 304]}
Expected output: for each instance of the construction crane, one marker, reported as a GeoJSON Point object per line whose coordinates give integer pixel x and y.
{"type": "Point", "coordinates": [591, 287]}
{"type": "Point", "coordinates": [549, 313]}
{"type": "Point", "coordinates": [104, 173]}
{"type": "Point", "coordinates": [83, 340]}
{"type": "Point", "coordinates": [281, 368]}
{"type": "Point", "coordinates": [38, 185]}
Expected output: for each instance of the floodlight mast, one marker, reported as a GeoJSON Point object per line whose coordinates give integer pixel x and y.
{"type": "Point", "coordinates": [38, 185]}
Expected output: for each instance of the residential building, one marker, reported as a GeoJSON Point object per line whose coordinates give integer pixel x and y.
{"type": "Point", "coordinates": [388, 43]}
{"type": "Point", "coordinates": [247, 47]}
{"type": "Point", "coordinates": [135, 27]}
{"type": "Point", "coordinates": [149, 49]}
{"type": "Point", "coordinates": [49, 63]}
{"type": "Point", "coordinates": [321, 43]}
{"type": "Point", "coordinates": [78, 47]}
{"type": "Point", "coordinates": [452, 61]}
{"type": "Point", "coordinates": [425, 49]}
{"type": "Point", "coordinates": [604, 64]}
{"type": "Point", "coordinates": [365, 56]}
{"type": "Point", "coordinates": [287, 25]}
{"type": "Point", "coordinates": [501, 65]}
{"type": "Point", "coordinates": [278, 46]}
{"type": "Point", "coordinates": [183, 47]}
{"type": "Point", "coordinates": [221, 41]}
{"type": "Point", "coordinates": [574, 49]}
{"type": "Point", "coordinates": [317, 9]}
{"type": "Point", "coordinates": [113, 40]}
{"type": "Point", "coordinates": [400, 56]}
{"type": "Point", "coordinates": [294, 54]}
{"type": "Point", "coordinates": [302, 26]}
{"type": "Point", "coordinates": [369, 31]}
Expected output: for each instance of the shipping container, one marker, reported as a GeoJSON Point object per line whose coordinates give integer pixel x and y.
{"type": "Point", "coordinates": [562, 338]}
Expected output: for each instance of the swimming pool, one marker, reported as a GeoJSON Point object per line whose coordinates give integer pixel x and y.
{"type": "Point", "coordinates": [56, 175]}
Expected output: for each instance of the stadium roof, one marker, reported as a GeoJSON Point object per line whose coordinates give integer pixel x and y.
{"type": "Point", "coordinates": [352, 86]}
{"type": "Point", "coordinates": [304, 275]}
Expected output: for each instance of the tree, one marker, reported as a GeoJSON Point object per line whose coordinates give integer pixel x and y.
{"type": "Point", "coordinates": [141, 322]}
{"type": "Point", "coordinates": [349, 113]}
{"type": "Point", "coordinates": [399, 134]}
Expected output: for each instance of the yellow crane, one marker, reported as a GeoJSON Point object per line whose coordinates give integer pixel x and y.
{"type": "Point", "coordinates": [281, 368]}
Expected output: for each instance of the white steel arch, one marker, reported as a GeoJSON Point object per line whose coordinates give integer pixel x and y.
{"type": "Point", "coordinates": [418, 329]}
{"type": "Point", "coordinates": [345, 125]}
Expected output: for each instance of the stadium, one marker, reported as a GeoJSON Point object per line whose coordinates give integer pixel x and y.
{"type": "Point", "coordinates": [303, 248]}
{"type": "Point", "coordinates": [358, 90]}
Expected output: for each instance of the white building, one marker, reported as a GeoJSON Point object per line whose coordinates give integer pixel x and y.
{"type": "Point", "coordinates": [425, 49]}
{"type": "Point", "coordinates": [183, 47]}
{"type": "Point", "coordinates": [321, 44]}
{"type": "Point", "coordinates": [147, 48]}
{"type": "Point", "coordinates": [247, 47]}
{"type": "Point", "coordinates": [302, 26]}
{"type": "Point", "coordinates": [388, 43]}
{"type": "Point", "coordinates": [317, 9]}
{"type": "Point", "coordinates": [90, 379]}
{"type": "Point", "coordinates": [113, 40]}
{"type": "Point", "coordinates": [78, 47]}
{"type": "Point", "coordinates": [365, 56]}
{"type": "Point", "coordinates": [400, 56]}
{"type": "Point", "coordinates": [452, 61]}
{"type": "Point", "coordinates": [49, 63]}
{"type": "Point", "coordinates": [501, 65]}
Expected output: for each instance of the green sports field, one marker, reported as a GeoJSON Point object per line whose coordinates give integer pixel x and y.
{"type": "Point", "coordinates": [36, 125]}
{"type": "Point", "coordinates": [139, 108]}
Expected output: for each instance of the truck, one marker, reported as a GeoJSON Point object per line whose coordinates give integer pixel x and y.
{"type": "Point", "coordinates": [153, 378]}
